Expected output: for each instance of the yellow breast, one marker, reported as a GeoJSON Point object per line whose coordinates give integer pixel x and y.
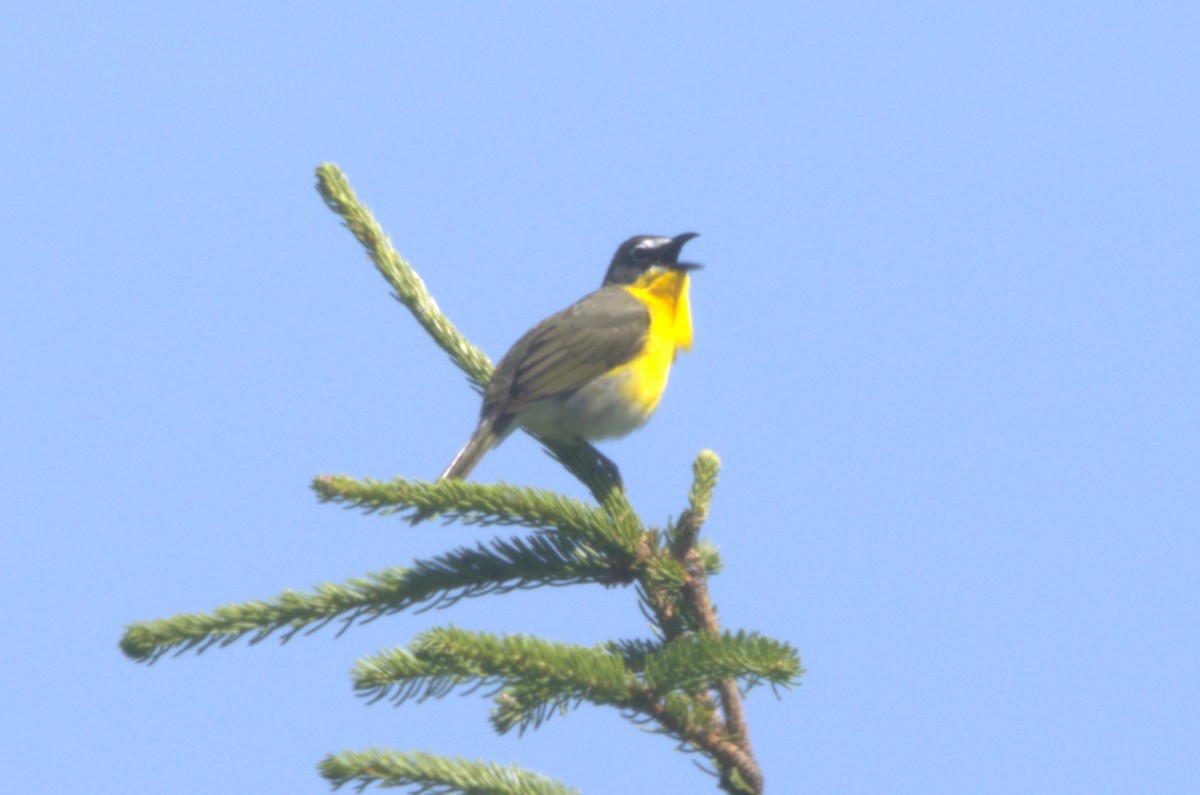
{"type": "Point", "coordinates": [665, 294]}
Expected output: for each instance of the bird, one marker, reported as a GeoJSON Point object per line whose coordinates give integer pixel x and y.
{"type": "Point", "coordinates": [597, 369]}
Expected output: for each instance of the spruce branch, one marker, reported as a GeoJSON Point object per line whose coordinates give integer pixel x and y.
{"type": "Point", "coordinates": [538, 678]}
{"type": "Point", "coordinates": [456, 656]}
{"type": "Point", "coordinates": [496, 567]}
{"type": "Point", "coordinates": [673, 590]}
{"type": "Point", "coordinates": [686, 717]}
{"type": "Point", "coordinates": [684, 533]}
{"type": "Point", "coordinates": [407, 286]}
{"type": "Point", "coordinates": [527, 705]}
{"type": "Point", "coordinates": [651, 683]}
{"type": "Point", "coordinates": [435, 775]}
{"type": "Point", "coordinates": [481, 504]}
{"type": "Point", "coordinates": [697, 661]}
{"type": "Point", "coordinates": [401, 675]}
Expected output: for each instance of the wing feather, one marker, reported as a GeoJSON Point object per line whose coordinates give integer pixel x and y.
{"type": "Point", "coordinates": [567, 350]}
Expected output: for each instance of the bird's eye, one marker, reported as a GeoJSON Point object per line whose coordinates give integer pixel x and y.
{"type": "Point", "coordinates": [642, 253]}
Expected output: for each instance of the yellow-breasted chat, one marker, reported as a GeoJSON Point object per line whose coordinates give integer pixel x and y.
{"type": "Point", "coordinates": [598, 368]}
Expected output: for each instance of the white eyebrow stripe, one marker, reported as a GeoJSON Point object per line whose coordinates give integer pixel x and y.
{"type": "Point", "coordinates": [653, 242]}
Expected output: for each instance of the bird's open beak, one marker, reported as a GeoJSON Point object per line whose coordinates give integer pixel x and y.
{"type": "Point", "coordinates": [674, 249]}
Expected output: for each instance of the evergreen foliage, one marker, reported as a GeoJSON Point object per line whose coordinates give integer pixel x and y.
{"type": "Point", "coordinates": [435, 775]}
{"type": "Point", "coordinates": [686, 681]}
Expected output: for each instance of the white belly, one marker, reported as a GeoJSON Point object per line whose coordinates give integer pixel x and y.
{"type": "Point", "coordinates": [600, 410]}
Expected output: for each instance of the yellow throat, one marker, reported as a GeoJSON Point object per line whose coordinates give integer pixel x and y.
{"type": "Point", "coordinates": [665, 295]}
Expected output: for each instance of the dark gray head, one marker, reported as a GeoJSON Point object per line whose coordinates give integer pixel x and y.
{"type": "Point", "coordinates": [643, 253]}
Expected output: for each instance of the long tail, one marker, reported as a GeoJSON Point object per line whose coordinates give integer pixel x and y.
{"type": "Point", "coordinates": [484, 439]}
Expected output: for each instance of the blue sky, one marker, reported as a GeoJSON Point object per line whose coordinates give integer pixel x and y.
{"type": "Point", "coordinates": [946, 346]}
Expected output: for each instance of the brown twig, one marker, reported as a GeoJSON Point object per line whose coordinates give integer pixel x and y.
{"type": "Point", "coordinates": [726, 738]}
{"type": "Point", "coordinates": [695, 592]}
